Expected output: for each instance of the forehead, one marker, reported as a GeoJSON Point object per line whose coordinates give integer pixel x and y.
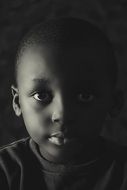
{"type": "Point", "coordinates": [71, 64]}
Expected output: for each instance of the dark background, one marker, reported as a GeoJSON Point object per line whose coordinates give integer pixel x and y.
{"type": "Point", "coordinates": [16, 16]}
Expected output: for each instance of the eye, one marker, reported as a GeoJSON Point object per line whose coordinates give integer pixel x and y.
{"type": "Point", "coordinates": [85, 97]}
{"type": "Point", "coordinates": [44, 97]}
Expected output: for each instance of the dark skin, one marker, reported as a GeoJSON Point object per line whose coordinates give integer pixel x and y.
{"type": "Point", "coordinates": [64, 96]}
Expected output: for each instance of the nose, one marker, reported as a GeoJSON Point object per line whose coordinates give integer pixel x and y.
{"type": "Point", "coordinates": [58, 110]}
{"type": "Point", "coordinates": [57, 118]}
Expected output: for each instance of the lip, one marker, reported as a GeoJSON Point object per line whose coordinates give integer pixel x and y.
{"type": "Point", "coordinates": [57, 141]}
{"type": "Point", "coordinates": [57, 138]}
{"type": "Point", "coordinates": [58, 134]}
{"type": "Point", "coordinates": [60, 138]}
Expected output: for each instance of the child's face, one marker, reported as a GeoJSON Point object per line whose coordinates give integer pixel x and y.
{"type": "Point", "coordinates": [64, 97]}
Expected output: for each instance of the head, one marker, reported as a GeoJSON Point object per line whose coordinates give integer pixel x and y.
{"type": "Point", "coordinates": [65, 86]}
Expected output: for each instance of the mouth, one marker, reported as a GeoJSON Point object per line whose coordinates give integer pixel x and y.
{"type": "Point", "coordinates": [58, 139]}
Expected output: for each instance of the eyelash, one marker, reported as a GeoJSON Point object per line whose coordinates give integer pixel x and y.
{"type": "Point", "coordinates": [46, 97]}
{"type": "Point", "coordinates": [85, 97]}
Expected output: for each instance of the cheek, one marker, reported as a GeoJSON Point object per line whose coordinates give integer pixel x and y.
{"type": "Point", "coordinates": [99, 114]}
{"type": "Point", "coordinates": [35, 119]}
{"type": "Point", "coordinates": [91, 119]}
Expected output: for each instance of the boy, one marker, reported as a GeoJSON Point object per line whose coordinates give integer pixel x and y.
{"type": "Point", "coordinates": [65, 87]}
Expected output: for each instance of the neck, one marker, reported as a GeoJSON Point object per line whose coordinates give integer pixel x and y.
{"type": "Point", "coordinates": [80, 154]}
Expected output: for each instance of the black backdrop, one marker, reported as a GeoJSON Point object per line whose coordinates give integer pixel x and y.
{"type": "Point", "coordinates": [17, 16]}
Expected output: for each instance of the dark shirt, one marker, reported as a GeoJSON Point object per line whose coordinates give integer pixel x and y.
{"type": "Point", "coordinates": [23, 168]}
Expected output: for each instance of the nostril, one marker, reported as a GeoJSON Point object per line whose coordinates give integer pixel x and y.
{"type": "Point", "coordinates": [56, 120]}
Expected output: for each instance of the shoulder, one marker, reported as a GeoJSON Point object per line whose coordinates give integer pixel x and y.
{"type": "Point", "coordinates": [22, 141]}
{"type": "Point", "coordinates": [119, 156]}
{"type": "Point", "coordinates": [14, 147]}
{"type": "Point", "coordinates": [11, 160]}
{"type": "Point", "coordinates": [117, 151]}
{"type": "Point", "coordinates": [18, 166]}
{"type": "Point", "coordinates": [13, 154]}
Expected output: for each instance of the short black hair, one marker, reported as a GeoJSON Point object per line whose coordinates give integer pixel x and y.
{"type": "Point", "coordinates": [68, 32]}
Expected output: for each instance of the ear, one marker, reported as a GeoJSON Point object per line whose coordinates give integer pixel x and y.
{"type": "Point", "coordinates": [118, 102]}
{"type": "Point", "coordinates": [15, 103]}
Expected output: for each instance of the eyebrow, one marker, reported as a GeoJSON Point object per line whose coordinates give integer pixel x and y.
{"type": "Point", "coordinates": [41, 80]}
